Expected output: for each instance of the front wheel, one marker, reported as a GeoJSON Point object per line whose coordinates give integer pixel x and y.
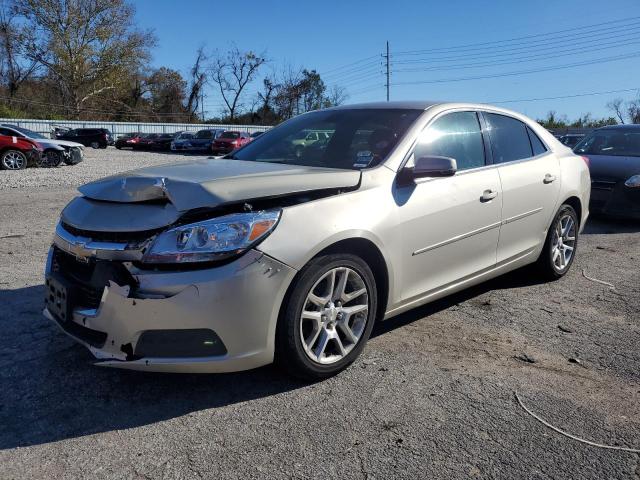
{"type": "Point", "coordinates": [13, 160]}
{"type": "Point", "coordinates": [328, 316]}
{"type": "Point", "coordinates": [50, 159]}
{"type": "Point", "coordinates": [560, 245]}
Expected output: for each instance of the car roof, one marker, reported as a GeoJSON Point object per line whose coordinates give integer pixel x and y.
{"type": "Point", "coordinates": [408, 104]}
{"type": "Point", "coordinates": [633, 126]}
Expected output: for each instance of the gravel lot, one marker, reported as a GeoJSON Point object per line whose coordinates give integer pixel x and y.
{"type": "Point", "coordinates": [431, 397]}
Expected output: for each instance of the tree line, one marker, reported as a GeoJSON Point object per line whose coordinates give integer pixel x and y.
{"type": "Point", "coordinates": [623, 112]}
{"type": "Point", "coordinates": [86, 59]}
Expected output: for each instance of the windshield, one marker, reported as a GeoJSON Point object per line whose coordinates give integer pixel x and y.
{"type": "Point", "coordinates": [230, 135]}
{"type": "Point", "coordinates": [351, 138]}
{"type": "Point", "coordinates": [617, 142]}
{"type": "Point", "coordinates": [29, 133]}
{"type": "Point", "coordinates": [185, 136]}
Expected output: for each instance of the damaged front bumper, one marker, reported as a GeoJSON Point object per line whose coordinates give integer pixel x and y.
{"type": "Point", "coordinates": [217, 319]}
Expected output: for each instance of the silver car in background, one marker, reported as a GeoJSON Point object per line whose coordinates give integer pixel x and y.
{"type": "Point", "coordinates": [276, 253]}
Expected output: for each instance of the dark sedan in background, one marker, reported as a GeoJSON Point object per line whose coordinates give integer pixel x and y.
{"type": "Point", "coordinates": [614, 162]}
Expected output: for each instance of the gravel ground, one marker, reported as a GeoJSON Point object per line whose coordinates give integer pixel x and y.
{"type": "Point", "coordinates": [431, 397]}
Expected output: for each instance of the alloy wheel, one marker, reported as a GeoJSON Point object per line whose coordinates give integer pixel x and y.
{"type": "Point", "coordinates": [334, 315]}
{"type": "Point", "coordinates": [564, 242]}
{"type": "Point", "coordinates": [13, 160]}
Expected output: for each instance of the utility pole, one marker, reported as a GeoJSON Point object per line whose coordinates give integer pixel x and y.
{"type": "Point", "coordinates": [388, 85]}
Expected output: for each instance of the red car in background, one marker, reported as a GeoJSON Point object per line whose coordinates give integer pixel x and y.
{"type": "Point", "coordinates": [229, 141]}
{"type": "Point", "coordinates": [17, 153]}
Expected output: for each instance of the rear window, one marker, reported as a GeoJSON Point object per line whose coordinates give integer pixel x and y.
{"type": "Point", "coordinates": [509, 138]}
{"type": "Point", "coordinates": [616, 142]}
{"type": "Point", "coordinates": [230, 135]}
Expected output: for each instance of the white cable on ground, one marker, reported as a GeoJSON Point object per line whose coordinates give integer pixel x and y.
{"type": "Point", "coordinates": [573, 437]}
{"type": "Point", "coordinates": [597, 281]}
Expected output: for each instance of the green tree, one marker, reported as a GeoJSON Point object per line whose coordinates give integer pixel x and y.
{"type": "Point", "coordinates": [88, 46]}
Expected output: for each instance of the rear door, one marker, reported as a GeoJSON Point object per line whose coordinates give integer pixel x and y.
{"type": "Point", "coordinates": [530, 180]}
{"type": "Point", "coordinates": [449, 227]}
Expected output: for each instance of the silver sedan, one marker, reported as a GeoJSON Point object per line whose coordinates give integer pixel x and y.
{"type": "Point", "coordinates": [277, 252]}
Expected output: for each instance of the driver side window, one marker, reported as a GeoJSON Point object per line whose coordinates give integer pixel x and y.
{"type": "Point", "coordinates": [456, 135]}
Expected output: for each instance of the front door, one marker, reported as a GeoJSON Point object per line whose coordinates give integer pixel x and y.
{"type": "Point", "coordinates": [449, 226]}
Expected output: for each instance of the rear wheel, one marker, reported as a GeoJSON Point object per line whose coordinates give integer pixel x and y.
{"type": "Point", "coordinates": [328, 316]}
{"type": "Point", "coordinates": [95, 145]}
{"type": "Point", "coordinates": [13, 160]}
{"type": "Point", "coordinates": [561, 244]}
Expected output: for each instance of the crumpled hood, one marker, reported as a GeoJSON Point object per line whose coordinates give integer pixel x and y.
{"type": "Point", "coordinates": [59, 143]}
{"type": "Point", "coordinates": [191, 185]}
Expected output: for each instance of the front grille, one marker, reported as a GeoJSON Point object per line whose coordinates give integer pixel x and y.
{"type": "Point", "coordinates": [116, 237]}
{"type": "Point", "coordinates": [88, 279]}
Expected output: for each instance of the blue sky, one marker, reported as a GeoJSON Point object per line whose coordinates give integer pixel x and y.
{"type": "Point", "coordinates": [344, 40]}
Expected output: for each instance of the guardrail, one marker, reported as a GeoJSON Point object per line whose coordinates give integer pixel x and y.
{"type": "Point", "coordinates": [46, 127]}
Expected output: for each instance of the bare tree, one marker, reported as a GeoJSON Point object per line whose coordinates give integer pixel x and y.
{"type": "Point", "coordinates": [87, 46]}
{"type": "Point", "coordinates": [14, 68]}
{"type": "Point", "coordinates": [197, 82]}
{"type": "Point", "coordinates": [633, 110]}
{"type": "Point", "coordinates": [336, 96]}
{"type": "Point", "coordinates": [232, 72]}
{"type": "Point", "coordinates": [616, 106]}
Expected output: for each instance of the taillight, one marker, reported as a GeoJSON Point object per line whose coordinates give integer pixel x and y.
{"type": "Point", "coordinates": [586, 159]}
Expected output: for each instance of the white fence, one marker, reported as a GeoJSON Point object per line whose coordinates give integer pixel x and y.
{"type": "Point", "coordinates": [46, 127]}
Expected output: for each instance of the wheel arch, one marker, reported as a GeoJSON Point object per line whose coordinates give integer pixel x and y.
{"type": "Point", "coordinates": [575, 203]}
{"type": "Point", "coordinates": [370, 253]}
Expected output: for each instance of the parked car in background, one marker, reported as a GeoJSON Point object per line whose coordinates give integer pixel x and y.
{"type": "Point", "coordinates": [55, 151]}
{"type": "Point", "coordinates": [182, 141]}
{"type": "Point", "coordinates": [16, 153]}
{"type": "Point", "coordinates": [89, 137]}
{"type": "Point", "coordinates": [162, 141]}
{"type": "Point", "coordinates": [146, 141]}
{"type": "Point", "coordinates": [255, 135]}
{"type": "Point", "coordinates": [571, 139]}
{"type": "Point", "coordinates": [229, 141]}
{"type": "Point", "coordinates": [306, 139]}
{"type": "Point", "coordinates": [223, 265]}
{"type": "Point", "coordinates": [614, 162]}
{"type": "Point", "coordinates": [128, 140]}
{"type": "Point", "coordinates": [203, 139]}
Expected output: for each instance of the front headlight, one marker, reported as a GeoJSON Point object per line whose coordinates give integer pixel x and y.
{"type": "Point", "coordinates": [633, 182]}
{"type": "Point", "coordinates": [213, 239]}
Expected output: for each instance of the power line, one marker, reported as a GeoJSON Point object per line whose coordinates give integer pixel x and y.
{"type": "Point", "coordinates": [608, 92]}
{"type": "Point", "coordinates": [503, 41]}
{"type": "Point", "coordinates": [525, 59]}
{"type": "Point", "coordinates": [523, 72]}
{"type": "Point", "coordinates": [545, 46]}
{"type": "Point", "coordinates": [349, 64]}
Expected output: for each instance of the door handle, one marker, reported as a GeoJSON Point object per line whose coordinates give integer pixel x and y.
{"type": "Point", "coordinates": [548, 178]}
{"type": "Point", "coordinates": [488, 195]}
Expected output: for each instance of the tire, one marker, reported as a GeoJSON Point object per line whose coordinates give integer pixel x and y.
{"type": "Point", "coordinates": [50, 159]}
{"type": "Point", "coordinates": [557, 257]}
{"type": "Point", "coordinates": [94, 145]}
{"type": "Point", "coordinates": [319, 345]}
{"type": "Point", "coordinates": [13, 160]}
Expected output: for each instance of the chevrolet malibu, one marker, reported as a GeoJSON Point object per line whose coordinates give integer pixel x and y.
{"type": "Point", "coordinates": [228, 264]}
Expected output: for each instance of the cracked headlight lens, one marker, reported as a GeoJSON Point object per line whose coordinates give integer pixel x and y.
{"type": "Point", "coordinates": [212, 239]}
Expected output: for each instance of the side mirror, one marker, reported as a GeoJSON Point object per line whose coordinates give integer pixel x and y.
{"type": "Point", "coordinates": [432, 166]}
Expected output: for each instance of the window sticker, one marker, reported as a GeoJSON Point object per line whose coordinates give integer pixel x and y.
{"type": "Point", "coordinates": [364, 158]}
